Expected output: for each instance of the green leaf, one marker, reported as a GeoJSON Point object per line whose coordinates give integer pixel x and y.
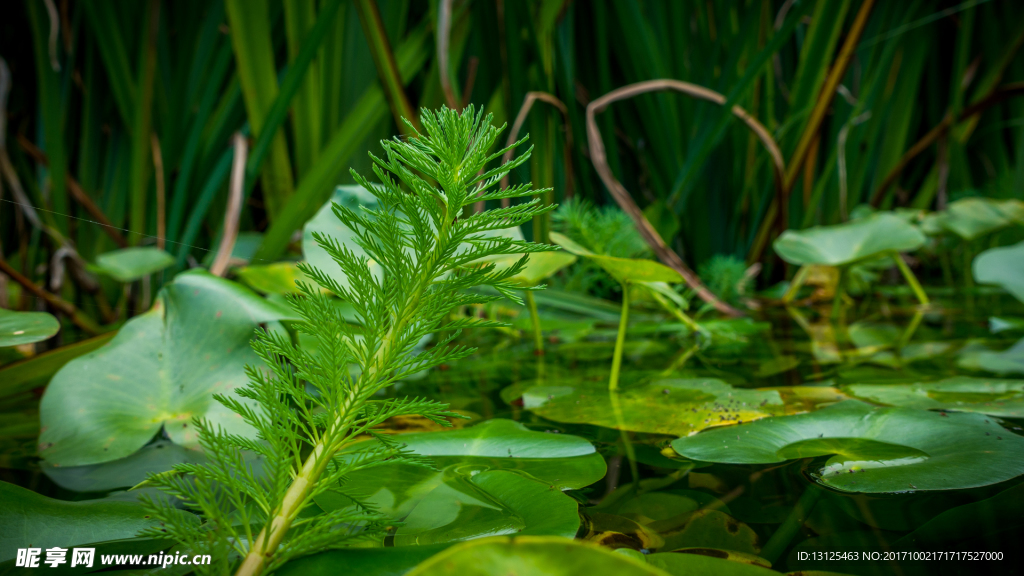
{"type": "Point", "coordinates": [390, 561]}
{"type": "Point", "coordinates": [532, 555]}
{"type": "Point", "coordinates": [708, 561]}
{"type": "Point", "coordinates": [18, 328]}
{"type": "Point", "coordinates": [276, 278]}
{"type": "Point", "coordinates": [971, 218]}
{"type": "Point", "coordinates": [130, 264]}
{"type": "Point", "coordinates": [1003, 511]}
{"type": "Point", "coordinates": [159, 372]}
{"type": "Point", "coordinates": [1004, 398]}
{"type": "Point", "coordinates": [622, 269]}
{"type": "Point", "coordinates": [157, 457]}
{"type": "Point", "coordinates": [1004, 267]}
{"type": "Point", "coordinates": [662, 406]}
{"type": "Point", "coordinates": [875, 449]}
{"type": "Point", "coordinates": [29, 373]}
{"type": "Point", "coordinates": [33, 520]}
{"type": "Point", "coordinates": [847, 243]}
{"type": "Point", "coordinates": [327, 224]}
{"type": "Point", "coordinates": [540, 266]}
{"type": "Point", "coordinates": [1009, 361]}
{"type": "Point", "coordinates": [494, 478]}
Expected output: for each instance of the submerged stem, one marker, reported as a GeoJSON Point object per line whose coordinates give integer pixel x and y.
{"type": "Point", "coordinates": [911, 279]}
{"type": "Point", "coordinates": [780, 540]}
{"type": "Point", "coordinates": [620, 340]}
{"type": "Point", "coordinates": [538, 336]}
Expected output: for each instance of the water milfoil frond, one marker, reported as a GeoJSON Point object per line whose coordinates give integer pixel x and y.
{"type": "Point", "coordinates": [421, 250]}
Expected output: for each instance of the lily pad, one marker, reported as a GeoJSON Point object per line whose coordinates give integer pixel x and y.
{"type": "Point", "coordinates": [390, 561]}
{"type": "Point", "coordinates": [532, 555]}
{"type": "Point", "coordinates": [663, 406]}
{"type": "Point", "coordinates": [1004, 267]}
{"type": "Point", "coordinates": [497, 477]}
{"type": "Point", "coordinates": [1003, 398]}
{"type": "Point", "coordinates": [1009, 361]}
{"type": "Point", "coordinates": [130, 264]}
{"type": "Point", "coordinates": [157, 457]}
{"type": "Point", "coordinates": [160, 371]}
{"type": "Point", "coordinates": [874, 449]}
{"type": "Point", "coordinates": [31, 520]}
{"type": "Point", "coordinates": [970, 218]}
{"type": "Point", "coordinates": [17, 328]}
{"type": "Point", "coordinates": [622, 269]}
{"type": "Point", "coordinates": [843, 244]}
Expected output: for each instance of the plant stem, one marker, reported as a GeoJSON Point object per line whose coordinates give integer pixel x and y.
{"type": "Point", "coordinates": [837, 298]}
{"type": "Point", "coordinates": [796, 284]}
{"type": "Point", "coordinates": [780, 540]}
{"type": "Point", "coordinates": [911, 279]}
{"type": "Point", "coordinates": [538, 336]}
{"type": "Point", "coordinates": [620, 340]}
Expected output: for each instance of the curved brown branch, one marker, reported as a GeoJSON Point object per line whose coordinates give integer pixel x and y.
{"type": "Point", "coordinates": [625, 200]}
{"type": "Point", "coordinates": [996, 96]}
{"type": "Point", "coordinates": [234, 208]}
{"type": "Point", "coordinates": [73, 313]}
{"type": "Point", "coordinates": [517, 125]}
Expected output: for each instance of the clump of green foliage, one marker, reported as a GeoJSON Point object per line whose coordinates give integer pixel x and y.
{"type": "Point", "coordinates": [306, 407]}
{"type": "Point", "coordinates": [726, 276]}
{"type": "Point", "coordinates": [603, 230]}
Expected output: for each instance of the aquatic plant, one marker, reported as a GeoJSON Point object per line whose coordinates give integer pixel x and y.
{"type": "Point", "coordinates": [306, 407]}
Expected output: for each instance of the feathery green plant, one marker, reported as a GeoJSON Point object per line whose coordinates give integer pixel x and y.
{"type": "Point", "coordinates": [429, 245]}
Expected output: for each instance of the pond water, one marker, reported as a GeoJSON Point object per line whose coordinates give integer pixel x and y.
{"type": "Point", "coordinates": [935, 473]}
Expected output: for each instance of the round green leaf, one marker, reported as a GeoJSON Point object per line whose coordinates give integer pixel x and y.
{"type": "Point", "coordinates": [662, 406]}
{"type": "Point", "coordinates": [1003, 398]}
{"type": "Point", "coordinates": [497, 477]}
{"type": "Point", "coordinates": [622, 269]}
{"type": "Point", "coordinates": [530, 555]}
{"type": "Point", "coordinates": [1004, 267]}
{"type": "Point", "coordinates": [1009, 361]}
{"type": "Point", "coordinates": [160, 371]}
{"type": "Point", "coordinates": [970, 218]}
{"type": "Point", "coordinates": [843, 244]}
{"type": "Point", "coordinates": [874, 449]}
{"type": "Point", "coordinates": [30, 520]}
{"type": "Point", "coordinates": [130, 264]}
{"type": "Point", "coordinates": [17, 328]}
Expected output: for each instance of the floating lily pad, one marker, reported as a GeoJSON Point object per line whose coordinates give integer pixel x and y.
{"type": "Point", "coordinates": [31, 520]}
{"type": "Point", "coordinates": [662, 406]}
{"type": "Point", "coordinates": [1005, 362]}
{"type": "Point", "coordinates": [497, 477]}
{"type": "Point", "coordinates": [843, 244]}
{"type": "Point", "coordinates": [130, 264]}
{"type": "Point", "coordinates": [160, 371]}
{"type": "Point", "coordinates": [1004, 267]}
{"type": "Point", "coordinates": [1003, 511]}
{"type": "Point", "coordinates": [1003, 398]}
{"type": "Point", "coordinates": [532, 555]}
{"type": "Point", "coordinates": [622, 269]}
{"type": "Point", "coordinates": [970, 218]}
{"type": "Point", "coordinates": [874, 449]}
{"type": "Point", "coordinates": [17, 328]}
